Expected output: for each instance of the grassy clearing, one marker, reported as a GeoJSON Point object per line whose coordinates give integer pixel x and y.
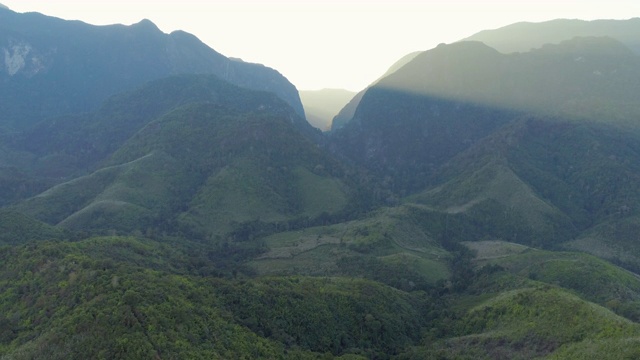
{"type": "Point", "coordinates": [319, 194]}
{"type": "Point", "coordinates": [383, 241]}
{"type": "Point", "coordinates": [486, 250]}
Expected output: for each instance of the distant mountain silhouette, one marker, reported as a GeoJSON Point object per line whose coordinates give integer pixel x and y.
{"type": "Point", "coordinates": [347, 112]}
{"type": "Point", "coordinates": [51, 66]}
{"type": "Point", "coordinates": [524, 36]}
{"type": "Point", "coordinates": [322, 105]}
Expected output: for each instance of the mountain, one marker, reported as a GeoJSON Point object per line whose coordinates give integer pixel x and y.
{"type": "Point", "coordinates": [446, 99]}
{"type": "Point", "coordinates": [56, 64]}
{"type": "Point", "coordinates": [544, 183]}
{"type": "Point", "coordinates": [18, 228]}
{"type": "Point", "coordinates": [192, 151]}
{"type": "Point", "coordinates": [537, 148]}
{"type": "Point", "coordinates": [524, 36]}
{"type": "Point", "coordinates": [321, 106]}
{"type": "Point", "coordinates": [477, 205]}
{"type": "Point", "coordinates": [347, 112]}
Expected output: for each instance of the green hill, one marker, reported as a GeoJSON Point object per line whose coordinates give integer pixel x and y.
{"type": "Point", "coordinates": [388, 246]}
{"type": "Point", "coordinates": [16, 228]}
{"type": "Point", "coordinates": [214, 157]}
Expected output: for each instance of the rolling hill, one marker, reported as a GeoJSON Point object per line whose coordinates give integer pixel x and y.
{"type": "Point", "coordinates": [216, 156]}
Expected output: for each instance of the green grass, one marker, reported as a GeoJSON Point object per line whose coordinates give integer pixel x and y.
{"type": "Point", "coordinates": [237, 193]}
{"type": "Point", "coordinates": [319, 194]}
{"type": "Point", "coordinates": [122, 197]}
{"type": "Point", "coordinates": [386, 242]}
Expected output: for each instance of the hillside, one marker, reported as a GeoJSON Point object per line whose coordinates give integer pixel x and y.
{"type": "Point", "coordinates": [446, 99]}
{"type": "Point", "coordinates": [207, 161]}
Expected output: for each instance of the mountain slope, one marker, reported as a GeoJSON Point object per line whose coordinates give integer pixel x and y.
{"type": "Point", "coordinates": [448, 98]}
{"type": "Point", "coordinates": [524, 36]}
{"type": "Point", "coordinates": [214, 157]}
{"type": "Point", "coordinates": [347, 112]}
{"type": "Point", "coordinates": [57, 64]}
{"type": "Point", "coordinates": [545, 182]}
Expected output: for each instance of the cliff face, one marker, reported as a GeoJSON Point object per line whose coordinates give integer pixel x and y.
{"type": "Point", "coordinates": [39, 53]}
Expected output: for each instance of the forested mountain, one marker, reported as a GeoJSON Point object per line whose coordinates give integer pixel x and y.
{"type": "Point", "coordinates": [347, 112]}
{"type": "Point", "coordinates": [57, 63]}
{"type": "Point", "coordinates": [476, 205]}
{"type": "Point", "coordinates": [416, 119]}
{"type": "Point", "coordinates": [192, 151]}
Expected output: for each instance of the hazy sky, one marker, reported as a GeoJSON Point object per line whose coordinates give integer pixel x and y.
{"type": "Point", "coordinates": [331, 43]}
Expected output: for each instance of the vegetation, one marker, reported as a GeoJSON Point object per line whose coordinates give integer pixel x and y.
{"type": "Point", "coordinates": [191, 218]}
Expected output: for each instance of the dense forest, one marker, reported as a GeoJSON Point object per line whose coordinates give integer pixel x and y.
{"type": "Point", "coordinates": [474, 203]}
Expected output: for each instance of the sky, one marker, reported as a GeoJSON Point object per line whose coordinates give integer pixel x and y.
{"type": "Point", "coordinates": [327, 44]}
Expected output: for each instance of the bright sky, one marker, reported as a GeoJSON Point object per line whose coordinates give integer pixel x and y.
{"type": "Point", "coordinates": [327, 44]}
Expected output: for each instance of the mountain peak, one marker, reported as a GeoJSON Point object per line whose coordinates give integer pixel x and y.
{"type": "Point", "coordinates": [146, 24]}
{"type": "Point", "coordinates": [2, 6]}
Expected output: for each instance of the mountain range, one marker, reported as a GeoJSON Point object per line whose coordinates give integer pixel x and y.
{"type": "Point", "coordinates": [56, 64]}
{"type": "Point", "coordinates": [524, 36]}
{"type": "Point", "coordinates": [475, 202]}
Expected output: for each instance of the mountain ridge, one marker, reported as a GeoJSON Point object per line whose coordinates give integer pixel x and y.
{"type": "Point", "coordinates": [148, 159]}
{"type": "Point", "coordinates": [41, 50]}
{"type": "Point", "coordinates": [524, 36]}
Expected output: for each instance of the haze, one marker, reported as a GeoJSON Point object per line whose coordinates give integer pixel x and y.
{"type": "Point", "coordinates": [326, 44]}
